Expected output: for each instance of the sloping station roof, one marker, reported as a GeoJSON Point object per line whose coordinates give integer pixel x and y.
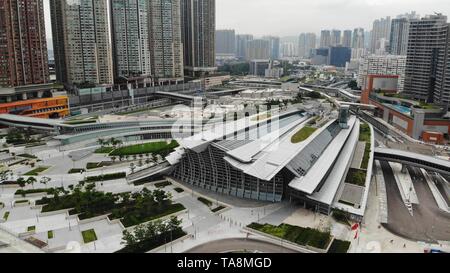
{"type": "Point", "coordinates": [264, 151]}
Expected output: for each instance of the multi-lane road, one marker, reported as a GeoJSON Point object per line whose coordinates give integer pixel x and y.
{"type": "Point", "coordinates": [428, 223]}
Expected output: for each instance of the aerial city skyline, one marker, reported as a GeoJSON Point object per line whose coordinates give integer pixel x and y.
{"type": "Point", "coordinates": [218, 126]}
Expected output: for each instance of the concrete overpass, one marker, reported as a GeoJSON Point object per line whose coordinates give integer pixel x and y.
{"type": "Point", "coordinates": [178, 96]}
{"type": "Point", "coordinates": [426, 162]}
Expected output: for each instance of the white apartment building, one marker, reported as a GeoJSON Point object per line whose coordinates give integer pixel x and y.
{"type": "Point", "coordinates": [382, 65]}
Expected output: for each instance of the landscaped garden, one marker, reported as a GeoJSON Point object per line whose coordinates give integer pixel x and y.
{"type": "Point", "coordinates": [303, 134]}
{"type": "Point", "coordinates": [148, 236]}
{"type": "Point", "coordinates": [145, 206]}
{"type": "Point", "coordinates": [131, 209]}
{"type": "Point", "coordinates": [179, 190]}
{"type": "Point", "coordinates": [163, 148]}
{"type": "Point", "coordinates": [299, 235]}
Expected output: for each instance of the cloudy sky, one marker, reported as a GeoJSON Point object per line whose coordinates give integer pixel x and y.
{"type": "Point", "coordinates": [291, 17]}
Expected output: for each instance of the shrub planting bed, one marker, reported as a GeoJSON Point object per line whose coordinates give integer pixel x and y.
{"type": "Point", "coordinates": [299, 235]}
{"type": "Point", "coordinates": [27, 156]}
{"type": "Point", "coordinates": [339, 246]}
{"type": "Point", "coordinates": [219, 208]}
{"type": "Point", "coordinates": [153, 242]}
{"type": "Point", "coordinates": [105, 177]}
{"type": "Point", "coordinates": [25, 192]}
{"type": "Point", "coordinates": [341, 217]}
{"type": "Point", "coordinates": [145, 206]}
{"type": "Point", "coordinates": [179, 190]}
{"type": "Point", "coordinates": [356, 177]}
{"type": "Point", "coordinates": [6, 215]}
{"type": "Point", "coordinates": [36, 171]}
{"type": "Point", "coordinates": [163, 184]}
{"type": "Point", "coordinates": [72, 171]}
{"type": "Point", "coordinates": [205, 201]}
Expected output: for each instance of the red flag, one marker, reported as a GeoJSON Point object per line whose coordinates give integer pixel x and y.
{"type": "Point", "coordinates": [356, 235]}
{"type": "Point", "coordinates": [355, 226]}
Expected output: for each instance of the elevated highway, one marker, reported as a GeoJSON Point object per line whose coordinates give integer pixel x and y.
{"type": "Point", "coordinates": [413, 159]}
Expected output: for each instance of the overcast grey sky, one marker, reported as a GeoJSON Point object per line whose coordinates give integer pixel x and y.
{"type": "Point", "coordinates": [291, 17]}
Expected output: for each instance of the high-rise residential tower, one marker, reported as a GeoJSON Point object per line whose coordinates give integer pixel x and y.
{"type": "Point", "coordinates": [274, 45]}
{"type": "Point", "coordinates": [336, 37]}
{"type": "Point", "coordinates": [82, 29]}
{"type": "Point", "coordinates": [383, 65]}
{"type": "Point", "coordinates": [427, 65]}
{"type": "Point", "coordinates": [380, 35]}
{"type": "Point", "coordinates": [225, 42]}
{"type": "Point", "coordinates": [166, 46]}
{"type": "Point", "coordinates": [198, 30]}
{"type": "Point", "coordinates": [130, 35]}
{"type": "Point", "coordinates": [398, 42]}
{"type": "Point", "coordinates": [23, 46]}
{"type": "Point", "coordinates": [325, 38]}
{"type": "Point", "coordinates": [258, 49]}
{"type": "Point", "coordinates": [347, 38]}
{"type": "Point", "coordinates": [306, 44]}
{"type": "Point", "coordinates": [242, 41]}
{"type": "Point", "coordinates": [358, 40]}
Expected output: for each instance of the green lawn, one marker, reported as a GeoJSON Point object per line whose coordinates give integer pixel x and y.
{"type": "Point", "coordinates": [161, 147]}
{"type": "Point", "coordinates": [50, 234]}
{"type": "Point", "coordinates": [89, 236]}
{"type": "Point", "coordinates": [36, 171]}
{"type": "Point", "coordinates": [303, 134]}
{"type": "Point", "coordinates": [31, 228]}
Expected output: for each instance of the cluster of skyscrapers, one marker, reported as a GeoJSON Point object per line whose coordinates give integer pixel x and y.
{"type": "Point", "coordinates": [107, 41]}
